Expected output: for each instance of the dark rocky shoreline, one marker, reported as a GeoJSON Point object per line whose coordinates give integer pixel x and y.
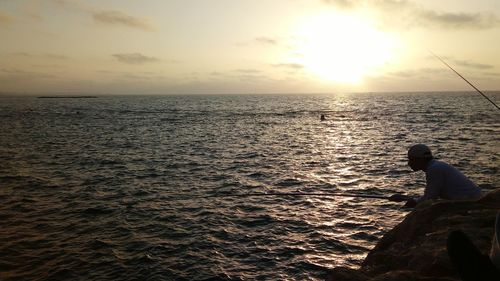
{"type": "Point", "coordinates": [415, 250]}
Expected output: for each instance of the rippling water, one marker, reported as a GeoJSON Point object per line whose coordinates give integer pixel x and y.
{"type": "Point", "coordinates": [110, 188]}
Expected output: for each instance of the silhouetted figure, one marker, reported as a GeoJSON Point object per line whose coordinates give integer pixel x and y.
{"type": "Point", "coordinates": [323, 118]}
{"type": "Point", "coordinates": [442, 180]}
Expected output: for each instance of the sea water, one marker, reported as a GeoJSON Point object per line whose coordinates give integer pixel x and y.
{"type": "Point", "coordinates": [112, 188]}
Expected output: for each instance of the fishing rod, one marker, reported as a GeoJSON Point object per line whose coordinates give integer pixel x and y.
{"type": "Point", "coordinates": [465, 80]}
{"type": "Point", "coordinates": [299, 194]}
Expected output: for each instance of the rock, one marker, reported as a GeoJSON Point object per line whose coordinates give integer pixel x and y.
{"type": "Point", "coordinates": [416, 248]}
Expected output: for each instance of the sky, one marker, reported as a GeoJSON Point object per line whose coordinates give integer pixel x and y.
{"type": "Point", "coordinates": [247, 46]}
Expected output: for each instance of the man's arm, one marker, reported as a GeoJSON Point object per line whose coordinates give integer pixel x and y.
{"type": "Point", "coordinates": [399, 198]}
{"type": "Point", "coordinates": [435, 180]}
{"type": "Point", "coordinates": [410, 202]}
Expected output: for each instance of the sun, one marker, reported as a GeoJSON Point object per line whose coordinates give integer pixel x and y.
{"type": "Point", "coordinates": [341, 48]}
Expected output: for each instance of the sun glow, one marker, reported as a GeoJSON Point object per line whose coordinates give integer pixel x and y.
{"type": "Point", "coordinates": [341, 48]}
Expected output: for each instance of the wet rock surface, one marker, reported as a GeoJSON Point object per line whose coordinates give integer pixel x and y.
{"type": "Point", "coordinates": [416, 248]}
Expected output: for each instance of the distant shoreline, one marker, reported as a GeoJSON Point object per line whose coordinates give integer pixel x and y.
{"type": "Point", "coordinates": [67, 97]}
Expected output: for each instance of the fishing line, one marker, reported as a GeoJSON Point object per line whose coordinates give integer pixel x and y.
{"type": "Point", "coordinates": [465, 80]}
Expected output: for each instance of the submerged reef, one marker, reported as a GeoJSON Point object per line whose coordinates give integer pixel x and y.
{"type": "Point", "coordinates": [415, 250]}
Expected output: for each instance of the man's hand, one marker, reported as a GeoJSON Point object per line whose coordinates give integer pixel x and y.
{"type": "Point", "coordinates": [399, 198]}
{"type": "Point", "coordinates": [410, 202]}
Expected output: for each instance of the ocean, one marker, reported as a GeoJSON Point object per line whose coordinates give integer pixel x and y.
{"type": "Point", "coordinates": [135, 187]}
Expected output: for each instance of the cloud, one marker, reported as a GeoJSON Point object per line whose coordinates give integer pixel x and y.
{"type": "Point", "coordinates": [242, 75]}
{"type": "Point", "coordinates": [52, 66]}
{"type": "Point", "coordinates": [341, 3]}
{"type": "Point", "coordinates": [44, 56]}
{"type": "Point", "coordinates": [457, 20]}
{"type": "Point", "coordinates": [473, 64]}
{"type": "Point", "coordinates": [64, 3]}
{"type": "Point", "coordinates": [261, 40]}
{"type": "Point", "coordinates": [408, 14]}
{"type": "Point", "coordinates": [135, 58]}
{"type": "Point", "coordinates": [251, 78]}
{"type": "Point", "coordinates": [55, 57]}
{"type": "Point", "coordinates": [16, 75]}
{"type": "Point", "coordinates": [137, 76]}
{"type": "Point", "coordinates": [463, 63]}
{"type": "Point", "coordinates": [5, 18]}
{"type": "Point", "coordinates": [294, 66]}
{"type": "Point", "coordinates": [248, 71]}
{"type": "Point", "coordinates": [266, 40]}
{"type": "Point", "coordinates": [107, 17]}
{"type": "Point", "coordinates": [493, 74]}
{"type": "Point", "coordinates": [380, 4]}
{"type": "Point", "coordinates": [32, 10]}
{"type": "Point", "coordinates": [418, 73]}
{"type": "Point", "coordinates": [119, 18]}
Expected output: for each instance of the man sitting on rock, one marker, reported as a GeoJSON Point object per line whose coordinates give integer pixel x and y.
{"type": "Point", "coordinates": [442, 180]}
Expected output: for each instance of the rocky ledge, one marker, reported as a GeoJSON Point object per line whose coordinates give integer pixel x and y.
{"type": "Point", "coordinates": [415, 250]}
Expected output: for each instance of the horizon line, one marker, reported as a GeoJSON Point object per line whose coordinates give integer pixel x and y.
{"type": "Point", "coordinates": [72, 94]}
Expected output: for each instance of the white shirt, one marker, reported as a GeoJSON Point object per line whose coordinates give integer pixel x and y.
{"type": "Point", "coordinates": [446, 182]}
{"type": "Point", "coordinates": [495, 248]}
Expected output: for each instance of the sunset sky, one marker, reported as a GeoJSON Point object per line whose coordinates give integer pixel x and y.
{"type": "Point", "coordinates": [246, 46]}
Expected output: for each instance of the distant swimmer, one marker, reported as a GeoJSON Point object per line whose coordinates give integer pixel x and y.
{"type": "Point", "coordinates": [442, 180]}
{"type": "Point", "coordinates": [323, 118]}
